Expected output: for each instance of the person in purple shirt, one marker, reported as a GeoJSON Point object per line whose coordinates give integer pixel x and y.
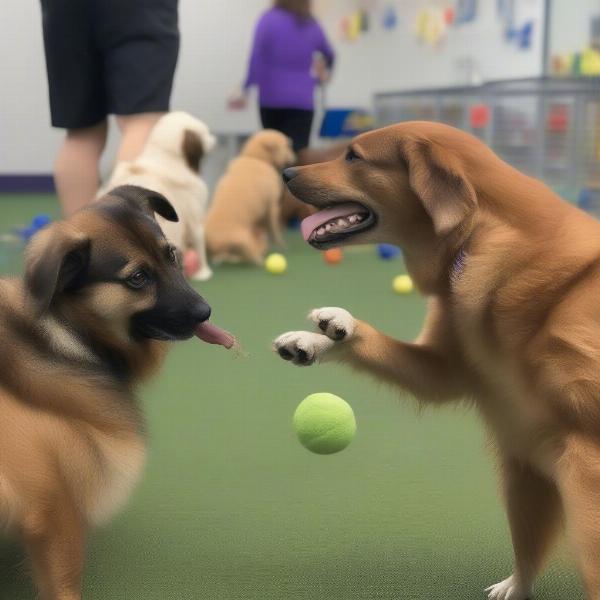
{"type": "Point", "coordinates": [290, 57]}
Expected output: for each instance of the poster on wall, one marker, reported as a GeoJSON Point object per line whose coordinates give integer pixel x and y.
{"type": "Point", "coordinates": [519, 18]}
{"type": "Point", "coordinates": [465, 12]}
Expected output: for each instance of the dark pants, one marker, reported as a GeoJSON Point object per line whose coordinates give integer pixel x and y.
{"type": "Point", "coordinates": [108, 57]}
{"type": "Point", "coordinates": [293, 122]}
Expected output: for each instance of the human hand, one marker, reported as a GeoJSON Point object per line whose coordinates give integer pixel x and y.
{"type": "Point", "coordinates": [237, 100]}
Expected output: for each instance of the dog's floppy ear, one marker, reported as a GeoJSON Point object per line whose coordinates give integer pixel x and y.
{"type": "Point", "coordinates": [438, 180]}
{"type": "Point", "coordinates": [55, 258]}
{"type": "Point", "coordinates": [193, 150]}
{"type": "Point", "coordinates": [146, 200]}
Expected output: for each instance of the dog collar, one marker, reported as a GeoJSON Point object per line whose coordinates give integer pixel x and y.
{"type": "Point", "coordinates": [458, 265]}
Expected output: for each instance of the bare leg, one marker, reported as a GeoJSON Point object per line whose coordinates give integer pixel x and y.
{"type": "Point", "coordinates": [134, 133]}
{"type": "Point", "coordinates": [579, 484]}
{"type": "Point", "coordinates": [54, 540]}
{"type": "Point", "coordinates": [76, 168]}
{"type": "Point", "coordinates": [534, 511]}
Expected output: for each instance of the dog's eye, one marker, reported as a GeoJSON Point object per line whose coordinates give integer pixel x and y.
{"type": "Point", "coordinates": [351, 155]}
{"type": "Point", "coordinates": [138, 280]}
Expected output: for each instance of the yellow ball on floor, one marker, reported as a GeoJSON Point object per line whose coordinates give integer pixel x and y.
{"type": "Point", "coordinates": [276, 263]}
{"type": "Point", "coordinates": [403, 284]}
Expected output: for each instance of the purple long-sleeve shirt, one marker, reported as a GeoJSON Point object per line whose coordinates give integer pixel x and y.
{"type": "Point", "coordinates": [281, 60]}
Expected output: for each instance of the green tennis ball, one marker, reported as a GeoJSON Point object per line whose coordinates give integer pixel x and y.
{"type": "Point", "coordinates": [324, 423]}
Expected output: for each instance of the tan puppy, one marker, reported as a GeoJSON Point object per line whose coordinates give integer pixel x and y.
{"type": "Point", "coordinates": [245, 210]}
{"type": "Point", "coordinates": [102, 294]}
{"type": "Point", "coordinates": [170, 164]}
{"type": "Point", "coordinates": [512, 273]}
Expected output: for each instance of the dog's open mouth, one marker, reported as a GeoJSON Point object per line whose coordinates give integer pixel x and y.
{"type": "Point", "coordinates": [332, 226]}
{"type": "Point", "coordinates": [211, 334]}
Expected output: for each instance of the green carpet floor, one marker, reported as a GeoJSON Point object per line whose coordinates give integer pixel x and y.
{"type": "Point", "coordinates": [232, 507]}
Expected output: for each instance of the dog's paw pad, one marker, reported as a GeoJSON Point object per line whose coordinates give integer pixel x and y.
{"type": "Point", "coordinates": [302, 348]}
{"type": "Point", "coordinates": [509, 589]}
{"type": "Point", "coordinates": [336, 323]}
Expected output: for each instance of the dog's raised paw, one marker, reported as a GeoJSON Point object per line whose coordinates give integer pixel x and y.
{"type": "Point", "coordinates": [302, 348]}
{"type": "Point", "coordinates": [509, 589]}
{"type": "Point", "coordinates": [336, 323]}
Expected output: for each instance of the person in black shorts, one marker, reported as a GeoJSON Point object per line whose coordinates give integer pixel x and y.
{"type": "Point", "coordinates": [105, 57]}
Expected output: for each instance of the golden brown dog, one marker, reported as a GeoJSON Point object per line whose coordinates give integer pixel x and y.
{"type": "Point", "coordinates": [245, 210]}
{"type": "Point", "coordinates": [292, 208]}
{"type": "Point", "coordinates": [102, 295]}
{"type": "Point", "coordinates": [512, 273]}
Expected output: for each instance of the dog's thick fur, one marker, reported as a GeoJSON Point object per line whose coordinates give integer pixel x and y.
{"type": "Point", "coordinates": [77, 335]}
{"type": "Point", "coordinates": [245, 210]}
{"type": "Point", "coordinates": [512, 273]}
{"type": "Point", "coordinates": [170, 164]}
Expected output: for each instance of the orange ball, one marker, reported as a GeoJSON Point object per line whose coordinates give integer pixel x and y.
{"type": "Point", "coordinates": [333, 256]}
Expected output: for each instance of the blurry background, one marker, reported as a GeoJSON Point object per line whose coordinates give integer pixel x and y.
{"type": "Point", "coordinates": [385, 51]}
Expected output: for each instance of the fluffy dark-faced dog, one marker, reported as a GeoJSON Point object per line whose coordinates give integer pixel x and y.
{"type": "Point", "coordinates": [101, 297]}
{"type": "Point", "coordinates": [513, 277]}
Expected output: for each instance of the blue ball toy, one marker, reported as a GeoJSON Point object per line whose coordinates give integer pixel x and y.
{"type": "Point", "coordinates": [38, 222]}
{"type": "Point", "coordinates": [388, 251]}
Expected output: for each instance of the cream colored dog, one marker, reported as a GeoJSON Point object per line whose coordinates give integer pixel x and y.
{"type": "Point", "coordinates": [246, 206]}
{"type": "Point", "coordinates": [170, 165]}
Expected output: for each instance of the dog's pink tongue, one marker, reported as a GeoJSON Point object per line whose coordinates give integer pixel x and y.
{"type": "Point", "coordinates": [315, 221]}
{"type": "Point", "coordinates": [212, 334]}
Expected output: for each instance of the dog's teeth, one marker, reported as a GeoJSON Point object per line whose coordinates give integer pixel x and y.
{"type": "Point", "coordinates": [340, 224]}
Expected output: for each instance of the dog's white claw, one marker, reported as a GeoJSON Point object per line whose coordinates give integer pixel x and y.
{"type": "Point", "coordinates": [302, 348]}
{"type": "Point", "coordinates": [336, 323]}
{"type": "Point", "coordinates": [509, 589]}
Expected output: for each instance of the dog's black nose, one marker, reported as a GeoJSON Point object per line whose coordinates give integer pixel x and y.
{"type": "Point", "coordinates": [201, 312]}
{"type": "Point", "coordinates": [289, 174]}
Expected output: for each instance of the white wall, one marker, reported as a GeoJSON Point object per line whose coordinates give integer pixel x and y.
{"type": "Point", "coordinates": [27, 143]}
{"type": "Point", "coordinates": [394, 60]}
{"type": "Point", "coordinates": [570, 25]}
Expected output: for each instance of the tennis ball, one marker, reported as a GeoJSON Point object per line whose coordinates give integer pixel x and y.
{"type": "Point", "coordinates": [324, 423]}
{"type": "Point", "coordinates": [402, 284]}
{"type": "Point", "coordinates": [333, 256]}
{"type": "Point", "coordinates": [276, 263]}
